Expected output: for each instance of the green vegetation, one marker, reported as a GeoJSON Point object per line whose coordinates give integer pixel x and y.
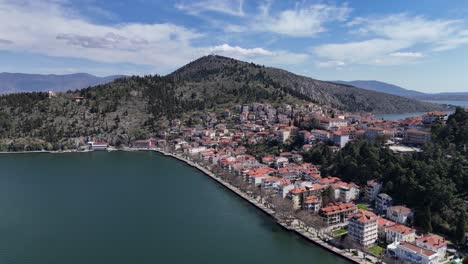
{"type": "Point", "coordinates": [433, 182]}
{"type": "Point", "coordinates": [375, 250]}
{"type": "Point", "coordinates": [363, 206]}
{"type": "Point", "coordinates": [339, 232]}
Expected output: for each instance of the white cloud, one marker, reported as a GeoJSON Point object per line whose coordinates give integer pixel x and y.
{"type": "Point", "coordinates": [48, 28]}
{"type": "Point", "coordinates": [330, 64]}
{"type": "Point", "coordinates": [302, 21]}
{"type": "Point", "coordinates": [414, 29]}
{"type": "Point", "coordinates": [407, 54]}
{"type": "Point", "coordinates": [227, 49]}
{"type": "Point", "coordinates": [258, 55]}
{"type": "Point", "coordinates": [230, 7]}
{"type": "Point", "coordinates": [391, 36]}
{"type": "Point", "coordinates": [365, 52]}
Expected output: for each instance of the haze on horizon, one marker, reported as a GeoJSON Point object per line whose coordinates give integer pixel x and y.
{"type": "Point", "coordinates": [417, 46]}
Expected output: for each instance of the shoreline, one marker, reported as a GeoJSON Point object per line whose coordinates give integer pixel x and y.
{"type": "Point", "coordinates": [292, 228]}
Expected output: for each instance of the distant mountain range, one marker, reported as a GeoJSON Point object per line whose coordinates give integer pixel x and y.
{"type": "Point", "coordinates": [21, 82]}
{"type": "Point", "coordinates": [400, 91]}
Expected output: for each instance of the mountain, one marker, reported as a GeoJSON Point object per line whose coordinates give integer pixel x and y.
{"type": "Point", "coordinates": [383, 88]}
{"type": "Point", "coordinates": [212, 72]}
{"type": "Point", "coordinates": [21, 82]}
{"type": "Point", "coordinates": [135, 107]}
{"type": "Point", "coordinates": [400, 91]}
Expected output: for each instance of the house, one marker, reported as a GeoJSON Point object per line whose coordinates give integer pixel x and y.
{"type": "Point", "coordinates": [434, 243]}
{"type": "Point", "coordinates": [98, 145]}
{"type": "Point", "coordinates": [340, 139]}
{"type": "Point", "coordinates": [297, 196]}
{"type": "Point", "coordinates": [321, 135]}
{"type": "Point", "coordinates": [281, 162]}
{"type": "Point", "coordinates": [382, 227]}
{"type": "Point", "coordinates": [416, 137]}
{"type": "Point", "coordinates": [344, 192]}
{"type": "Point", "coordinates": [363, 228]}
{"type": "Point", "coordinates": [337, 213]}
{"type": "Point", "coordinates": [372, 189]}
{"type": "Point", "coordinates": [328, 123]}
{"type": "Point", "coordinates": [400, 214]}
{"type": "Point", "coordinates": [431, 117]}
{"type": "Point", "coordinates": [373, 133]}
{"type": "Point", "coordinates": [411, 253]}
{"type": "Point", "coordinates": [400, 233]}
{"type": "Point", "coordinates": [312, 204]}
{"type": "Point", "coordinates": [283, 135]}
{"type": "Point", "coordinates": [194, 150]}
{"type": "Point", "coordinates": [382, 202]}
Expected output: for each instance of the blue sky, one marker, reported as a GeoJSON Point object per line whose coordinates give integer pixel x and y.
{"type": "Point", "coordinates": [415, 44]}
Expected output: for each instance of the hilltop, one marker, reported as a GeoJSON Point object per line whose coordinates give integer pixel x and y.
{"type": "Point", "coordinates": [220, 74]}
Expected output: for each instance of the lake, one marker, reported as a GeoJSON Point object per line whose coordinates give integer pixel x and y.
{"type": "Point", "coordinates": [406, 115]}
{"type": "Point", "coordinates": [123, 207]}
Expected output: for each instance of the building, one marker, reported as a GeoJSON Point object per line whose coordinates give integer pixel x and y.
{"type": "Point", "coordinates": [337, 213]}
{"type": "Point", "coordinates": [400, 214]}
{"type": "Point", "coordinates": [431, 117]}
{"type": "Point", "coordinates": [382, 226]}
{"type": "Point", "coordinates": [344, 192]}
{"type": "Point", "coordinates": [312, 204]}
{"type": "Point", "coordinates": [382, 202]}
{"type": "Point", "coordinates": [321, 135]}
{"type": "Point", "coordinates": [363, 228]}
{"type": "Point", "coordinates": [372, 189]}
{"type": "Point", "coordinates": [98, 145]}
{"type": "Point", "coordinates": [328, 123]}
{"type": "Point", "coordinates": [373, 133]}
{"type": "Point", "coordinates": [340, 139]}
{"type": "Point", "coordinates": [413, 254]}
{"type": "Point", "coordinates": [434, 243]}
{"type": "Point", "coordinates": [416, 137]}
{"type": "Point", "coordinates": [400, 233]}
{"type": "Point", "coordinates": [283, 135]}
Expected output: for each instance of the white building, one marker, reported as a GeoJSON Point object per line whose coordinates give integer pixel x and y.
{"type": "Point", "coordinates": [372, 189]}
{"type": "Point", "coordinates": [98, 145]}
{"type": "Point", "coordinates": [382, 202]}
{"type": "Point", "coordinates": [411, 253]}
{"type": "Point", "coordinates": [362, 227]}
{"type": "Point", "coordinates": [400, 233]}
{"type": "Point", "coordinates": [400, 214]}
{"type": "Point", "coordinates": [434, 243]}
{"type": "Point", "coordinates": [340, 139]}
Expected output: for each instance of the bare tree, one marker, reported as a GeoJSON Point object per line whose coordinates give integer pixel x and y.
{"type": "Point", "coordinates": [283, 207]}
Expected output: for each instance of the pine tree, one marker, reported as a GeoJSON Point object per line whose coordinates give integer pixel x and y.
{"type": "Point", "coordinates": [460, 228]}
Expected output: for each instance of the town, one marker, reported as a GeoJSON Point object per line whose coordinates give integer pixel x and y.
{"type": "Point", "coordinates": [360, 219]}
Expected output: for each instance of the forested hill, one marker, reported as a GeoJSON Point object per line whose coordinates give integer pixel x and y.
{"type": "Point", "coordinates": [134, 107]}
{"type": "Point", "coordinates": [218, 75]}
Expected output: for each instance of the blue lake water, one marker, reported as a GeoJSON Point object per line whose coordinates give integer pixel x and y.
{"type": "Point", "coordinates": [124, 208]}
{"type": "Point", "coordinates": [406, 115]}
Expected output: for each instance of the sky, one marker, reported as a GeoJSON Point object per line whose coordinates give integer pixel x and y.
{"type": "Point", "coordinates": [420, 45]}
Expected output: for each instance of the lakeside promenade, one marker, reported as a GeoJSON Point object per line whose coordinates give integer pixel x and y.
{"type": "Point", "coordinates": [294, 228]}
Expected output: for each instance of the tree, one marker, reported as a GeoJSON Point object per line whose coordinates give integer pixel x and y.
{"type": "Point", "coordinates": [425, 219]}
{"type": "Point", "coordinates": [327, 196]}
{"type": "Point", "coordinates": [460, 228]}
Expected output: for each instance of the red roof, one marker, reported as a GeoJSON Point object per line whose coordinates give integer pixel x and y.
{"type": "Point", "coordinates": [338, 208]}
{"type": "Point", "coordinates": [401, 229]}
{"type": "Point", "coordinates": [432, 240]}
{"type": "Point", "coordinates": [364, 216]}
{"type": "Point", "coordinates": [417, 249]}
